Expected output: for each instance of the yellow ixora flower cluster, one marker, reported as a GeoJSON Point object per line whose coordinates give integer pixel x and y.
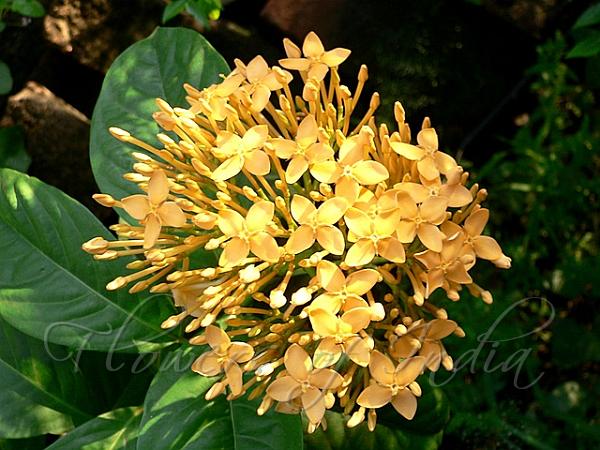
{"type": "Point", "coordinates": [331, 232]}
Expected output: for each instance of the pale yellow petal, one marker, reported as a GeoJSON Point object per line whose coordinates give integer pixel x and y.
{"type": "Point", "coordinates": [284, 389]}
{"type": "Point", "coordinates": [158, 187]}
{"type": "Point", "coordinates": [291, 49]}
{"type": "Point", "coordinates": [433, 210]}
{"type": "Point", "coordinates": [325, 379]}
{"type": "Point", "coordinates": [228, 168]}
{"type": "Point", "coordinates": [230, 222]}
{"type": "Point", "coordinates": [475, 223]}
{"type": "Point", "coordinates": [406, 232]}
{"type": "Point", "coordinates": [256, 69]}
{"type": "Point", "coordinates": [427, 168]}
{"type": "Point", "coordinates": [405, 403]}
{"type": "Point", "coordinates": [369, 172]}
{"type": "Point", "coordinates": [300, 64]}
{"type": "Point", "coordinates": [430, 236]}
{"type": "Point", "coordinates": [137, 206]}
{"type": "Point", "coordinates": [332, 210]}
{"type": "Point", "coordinates": [265, 247]}
{"type": "Point", "coordinates": [318, 153]}
{"type": "Point", "coordinates": [348, 189]}
{"type": "Point", "coordinates": [307, 131]}
{"type": "Point", "coordinates": [444, 162]}
{"type": "Point", "coordinates": [324, 323]}
{"type": "Point", "coordinates": [381, 368]}
{"type": "Point", "coordinates": [409, 151]}
{"type": "Point", "coordinates": [260, 97]}
{"type": "Point", "coordinates": [432, 352]}
{"type": "Point", "coordinates": [317, 71]}
{"type": "Point", "coordinates": [359, 222]}
{"type": "Point", "coordinates": [357, 318]}
{"type": "Point", "coordinates": [327, 353]}
{"type": "Point", "coordinates": [486, 247]}
{"type": "Point", "coordinates": [171, 215]}
{"type": "Point", "coordinates": [361, 253]}
{"type": "Point", "coordinates": [335, 57]}
{"type": "Point", "coordinates": [257, 163]}
{"type": "Point", "coordinates": [295, 169]}
{"type": "Point", "coordinates": [234, 252]}
{"type": "Point", "coordinates": [440, 328]}
{"type": "Point", "coordinates": [302, 208]}
{"type": "Point", "coordinates": [361, 281]}
{"type": "Point", "coordinates": [207, 364]}
{"type": "Point", "coordinates": [240, 352]}
{"type": "Point", "coordinates": [284, 148]}
{"type": "Point", "coordinates": [326, 171]}
{"type": "Point", "coordinates": [331, 239]}
{"type": "Point", "coordinates": [313, 402]}
{"type": "Point", "coordinates": [259, 215]}
{"type": "Point", "coordinates": [358, 351]}
{"type": "Point", "coordinates": [234, 377]}
{"type": "Point", "coordinates": [255, 137]}
{"type": "Point", "coordinates": [408, 370]}
{"type": "Point", "coordinates": [428, 138]}
{"type": "Point", "coordinates": [391, 249]}
{"type": "Point", "coordinates": [301, 239]}
{"type": "Point", "coordinates": [151, 230]}
{"type": "Point", "coordinates": [330, 276]}
{"type": "Point", "coordinates": [217, 339]}
{"type": "Point", "coordinates": [312, 46]}
{"type": "Point", "coordinates": [458, 273]}
{"type": "Point", "coordinates": [374, 396]}
{"type": "Point", "coordinates": [297, 362]}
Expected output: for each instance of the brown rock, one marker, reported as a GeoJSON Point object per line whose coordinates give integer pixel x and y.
{"type": "Point", "coordinates": [57, 138]}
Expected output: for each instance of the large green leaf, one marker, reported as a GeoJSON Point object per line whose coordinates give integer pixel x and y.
{"type": "Point", "coordinates": [115, 430]}
{"type": "Point", "coordinates": [586, 47]}
{"type": "Point", "coordinates": [177, 417]}
{"type": "Point", "coordinates": [590, 16]}
{"type": "Point", "coordinates": [51, 289]}
{"type": "Point", "coordinates": [154, 67]}
{"type": "Point", "coordinates": [42, 392]}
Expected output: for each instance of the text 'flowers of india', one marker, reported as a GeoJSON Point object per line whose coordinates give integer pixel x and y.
{"type": "Point", "coordinates": [331, 233]}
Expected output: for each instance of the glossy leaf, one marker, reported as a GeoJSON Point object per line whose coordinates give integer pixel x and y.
{"type": "Point", "coordinates": [51, 289]}
{"type": "Point", "coordinates": [172, 9]}
{"type": "Point", "coordinates": [588, 46]}
{"type": "Point", "coordinates": [115, 430]}
{"type": "Point", "coordinates": [12, 149]}
{"type": "Point", "coordinates": [41, 392]}
{"type": "Point", "coordinates": [29, 8]}
{"type": "Point", "coordinates": [177, 417]}
{"type": "Point", "coordinates": [157, 66]}
{"type": "Point", "coordinates": [591, 16]}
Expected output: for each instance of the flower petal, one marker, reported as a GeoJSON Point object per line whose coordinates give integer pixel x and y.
{"type": "Point", "coordinates": [234, 377]}
{"type": "Point", "coordinates": [331, 211]}
{"type": "Point", "coordinates": [407, 230]}
{"type": "Point", "coordinates": [358, 351]}
{"type": "Point", "coordinates": [330, 277]}
{"type": "Point", "coordinates": [312, 46]}
{"type": "Point", "coordinates": [151, 230]}
{"type": "Point", "coordinates": [308, 131]}
{"type": "Point", "coordinates": [381, 368]}
{"type": "Point", "coordinates": [228, 168]}
{"type": "Point", "coordinates": [358, 222]}
{"type": "Point", "coordinates": [302, 208]}
{"type": "Point", "coordinates": [427, 168]}
{"type": "Point", "coordinates": [440, 328]}
{"type": "Point", "coordinates": [158, 187]}
{"type": "Point", "coordinates": [444, 162]}
{"type": "Point", "coordinates": [295, 169]}
{"type": "Point", "coordinates": [486, 247]}
{"type": "Point", "coordinates": [326, 171]}
{"type": "Point", "coordinates": [284, 389]}
{"type": "Point", "coordinates": [240, 352]}
{"type": "Point", "coordinates": [335, 57]}
{"type": "Point", "coordinates": [408, 370]}
{"type": "Point", "coordinates": [300, 64]}
{"type": "Point", "coordinates": [301, 239]}
{"type": "Point", "coordinates": [361, 253]}
{"type": "Point", "coordinates": [284, 148]}
{"type": "Point", "coordinates": [207, 364]}
{"type": "Point", "coordinates": [257, 163]}
{"type": "Point", "coordinates": [137, 206]}
{"type": "Point", "coordinates": [331, 239]}
{"type": "Point", "coordinates": [234, 252]}
{"type": "Point", "coordinates": [369, 172]}
{"type": "Point", "coordinates": [259, 215]}
{"type": "Point", "coordinates": [405, 403]}
{"type": "Point", "coordinates": [475, 223]}
{"type": "Point", "coordinates": [313, 402]}
{"type": "Point", "coordinates": [231, 223]}
{"type": "Point", "coordinates": [256, 69]}
{"type": "Point", "coordinates": [361, 281]}
{"type": "Point", "coordinates": [325, 379]}
{"type": "Point", "coordinates": [391, 249]}
{"type": "Point", "coordinates": [260, 97]}
{"type": "Point", "coordinates": [171, 215]}
{"type": "Point", "coordinates": [323, 322]}
{"type": "Point", "coordinates": [374, 396]}
{"type": "Point", "coordinates": [433, 210]}
{"type": "Point", "coordinates": [428, 138]}
{"type": "Point", "coordinates": [265, 247]}
{"type": "Point", "coordinates": [409, 151]}
{"type": "Point", "coordinates": [255, 137]}
{"type": "Point", "coordinates": [430, 236]}
{"type": "Point", "coordinates": [327, 353]}
{"type": "Point", "coordinates": [297, 362]}
{"type": "Point", "coordinates": [357, 318]}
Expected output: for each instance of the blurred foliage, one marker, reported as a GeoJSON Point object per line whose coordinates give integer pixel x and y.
{"type": "Point", "coordinates": [27, 8]}
{"type": "Point", "coordinates": [528, 371]}
{"type": "Point", "coordinates": [202, 10]}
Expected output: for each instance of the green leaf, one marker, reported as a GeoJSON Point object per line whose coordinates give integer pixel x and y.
{"type": "Point", "coordinates": [115, 430]}
{"type": "Point", "coordinates": [41, 393]}
{"type": "Point", "coordinates": [204, 10]}
{"type": "Point", "coordinates": [590, 16]}
{"type": "Point", "coordinates": [588, 46]}
{"type": "Point", "coordinates": [6, 80]}
{"type": "Point", "coordinates": [52, 290]}
{"type": "Point", "coordinates": [177, 417]}
{"type": "Point", "coordinates": [154, 67]}
{"type": "Point", "coordinates": [172, 9]}
{"type": "Point", "coordinates": [12, 149]}
{"type": "Point", "coordinates": [29, 8]}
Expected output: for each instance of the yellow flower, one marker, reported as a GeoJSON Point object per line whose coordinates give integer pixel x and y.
{"type": "Point", "coordinates": [316, 61]}
{"type": "Point", "coordinates": [153, 210]}
{"type": "Point", "coordinates": [391, 384]}
{"type": "Point", "coordinates": [304, 381]}
{"type": "Point", "coordinates": [327, 324]}
{"type": "Point", "coordinates": [430, 161]}
{"type": "Point", "coordinates": [422, 220]}
{"type": "Point", "coordinates": [241, 153]}
{"type": "Point", "coordinates": [248, 234]}
{"type": "Point", "coordinates": [447, 265]}
{"type": "Point", "coordinates": [304, 151]}
{"type": "Point", "coordinates": [261, 81]}
{"type": "Point", "coordinates": [213, 100]}
{"type": "Point", "coordinates": [224, 356]}
{"type": "Point", "coordinates": [373, 237]}
{"type": "Point", "coordinates": [428, 336]}
{"type": "Point", "coordinates": [317, 224]}
{"type": "Point", "coordinates": [455, 193]}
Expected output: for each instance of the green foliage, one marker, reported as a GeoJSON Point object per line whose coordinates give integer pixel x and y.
{"type": "Point", "coordinates": [587, 34]}
{"type": "Point", "coordinates": [202, 10]}
{"type": "Point", "coordinates": [156, 67]}
{"type": "Point", "coordinates": [12, 149]}
{"type": "Point", "coordinates": [177, 417]}
{"type": "Point", "coordinates": [51, 289]}
{"type": "Point", "coordinates": [6, 80]}
{"type": "Point", "coordinates": [28, 8]}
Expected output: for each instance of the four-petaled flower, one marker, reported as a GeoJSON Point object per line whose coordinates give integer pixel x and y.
{"type": "Point", "coordinates": [391, 384]}
{"type": "Point", "coordinates": [430, 161]}
{"type": "Point", "coordinates": [302, 152]}
{"type": "Point", "coordinates": [241, 153]}
{"type": "Point", "coordinates": [317, 224]}
{"type": "Point", "coordinates": [248, 234]}
{"type": "Point", "coordinates": [153, 210]}
{"type": "Point", "coordinates": [421, 220]}
{"type": "Point", "coordinates": [224, 356]}
{"type": "Point", "coordinates": [305, 382]}
{"type": "Point", "coordinates": [262, 80]}
{"type": "Point", "coordinates": [316, 61]}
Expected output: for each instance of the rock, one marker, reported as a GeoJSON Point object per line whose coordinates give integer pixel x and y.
{"type": "Point", "coordinates": [57, 138]}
